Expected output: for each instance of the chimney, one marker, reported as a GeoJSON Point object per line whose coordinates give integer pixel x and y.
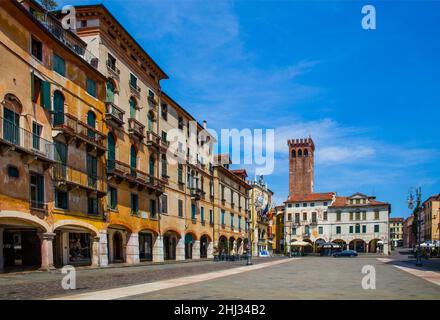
{"type": "Point", "coordinates": [204, 124]}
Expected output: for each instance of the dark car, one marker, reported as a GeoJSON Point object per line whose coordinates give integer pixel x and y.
{"type": "Point", "coordinates": [345, 253]}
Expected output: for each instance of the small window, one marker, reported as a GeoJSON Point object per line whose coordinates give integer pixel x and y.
{"type": "Point", "coordinates": [325, 215]}
{"type": "Point", "coordinates": [211, 216]}
{"type": "Point", "coordinates": [193, 211]}
{"type": "Point", "coordinates": [92, 206]}
{"type": "Point", "coordinates": [364, 229]}
{"type": "Point", "coordinates": [202, 214]}
{"type": "Point", "coordinates": [91, 87]}
{"type": "Point", "coordinates": [153, 212]}
{"type": "Point", "coordinates": [111, 62]}
{"type": "Point", "coordinates": [376, 228]}
{"type": "Point", "coordinates": [133, 80]}
{"type": "Point", "coordinates": [232, 220]}
{"type": "Point", "coordinates": [223, 217]}
{"type": "Point", "coordinates": [304, 204]}
{"type": "Point", "coordinates": [37, 49]}
{"type": "Point", "coordinates": [325, 203]}
{"type": "Point", "coordinates": [164, 111]}
{"type": "Point", "coordinates": [320, 230]}
{"type": "Point", "coordinates": [13, 172]}
{"type": "Point", "coordinates": [180, 123]}
{"type": "Point", "coordinates": [36, 135]}
{"type": "Point", "coordinates": [61, 199]}
{"type": "Point", "coordinates": [351, 229]}
{"type": "Point", "coordinates": [305, 216]}
{"type": "Point", "coordinates": [289, 217]}
{"type": "Point", "coordinates": [164, 202]}
{"type": "Point", "coordinates": [312, 204]}
{"type": "Point", "coordinates": [83, 23]}
{"type": "Point", "coordinates": [134, 203]}
{"type": "Point", "coordinates": [338, 216]}
{"type": "Point", "coordinates": [338, 229]}
{"type": "Point", "coordinates": [180, 207]}
{"type": "Point", "coordinates": [296, 205]}
{"type": "Point", "coordinates": [59, 65]}
{"type": "Point", "coordinates": [37, 191]}
{"type": "Point", "coordinates": [112, 198]}
{"type": "Point", "coordinates": [294, 231]}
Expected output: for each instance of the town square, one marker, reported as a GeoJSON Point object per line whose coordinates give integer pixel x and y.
{"type": "Point", "coordinates": [232, 175]}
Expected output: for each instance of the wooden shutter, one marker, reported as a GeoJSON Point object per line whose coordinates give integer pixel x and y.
{"type": "Point", "coordinates": [45, 95]}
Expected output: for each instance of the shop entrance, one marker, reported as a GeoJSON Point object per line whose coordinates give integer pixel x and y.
{"type": "Point", "coordinates": [21, 248]}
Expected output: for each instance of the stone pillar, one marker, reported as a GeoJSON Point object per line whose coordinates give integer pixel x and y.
{"type": "Point", "coordinates": [47, 251]}
{"type": "Point", "coordinates": [210, 253]}
{"type": "Point", "coordinates": [103, 248]}
{"type": "Point", "coordinates": [95, 251]}
{"type": "Point", "coordinates": [132, 250]}
{"type": "Point", "coordinates": [180, 249]}
{"type": "Point", "coordinates": [2, 259]}
{"type": "Point", "coordinates": [196, 250]}
{"type": "Point", "coordinates": [158, 249]}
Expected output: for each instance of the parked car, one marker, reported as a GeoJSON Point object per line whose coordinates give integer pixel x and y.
{"type": "Point", "coordinates": [345, 253]}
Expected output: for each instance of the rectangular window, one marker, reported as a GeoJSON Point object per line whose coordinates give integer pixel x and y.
{"type": "Point", "coordinates": [37, 191]}
{"type": "Point", "coordinates": [232, 220]}
{"type": "Point", "coordinates": [180, 123]}
{"type": "Point", "coordinates": [202, 214]}
{"type": "Point", "coordinates": [111, 62]}
{"type": "Point", "coordinates": [193, 211]}
{"type": "Point", "coordinates": [364, 229]}
{"type": "Point", "coordinates": [37, 49]}
{"type": "Point", "coordinates": [180, 207]}
{"type": "Point", "coordinates": [351, 216]}
{"type": "Point", "coordinates": [376, 228]}
{"type": "Point", "coordinates": [296, 205]}
{"type": "Point", "coordinates": [320, 230]}
{"type": "Point", "coordinates": [133, 81]}
{"type": "Point", "coordinates": [338, 216]}
{"type": "Point", "coordinates": [59, 65]}
{"type": "Point", "coordinates": [338, 229]}
{"type": "Point", "coordinates": [364, 215]}
{"type": "Point", "coordinates": [164, 203]}
{"type": "Point", "coordinates": [305, 216]}
{"type": "Point", "coordinates": [325, 203]}
{"type": "Point", "coordinates": [180, 173]}
{"type": "Point", "coordinates": [239, 222]}
{"type": "Point", "coordinates": [325, 216]}
{"type": "Point", "coordinates": [312, 204]}
{"type": "Point", "coordinates": [351, 229]}
{"type": "Point", "coordinates": [153, 210]}
{"type": "Point", "coordinates": [164, 112]}
{"type": "Point", "coordinates": [211, 216]}
{"type": "Point", "coordinates": [294, 231]}
{"type": "Point", "coordinates": [112, 198]}
{"type": "Point", "coordinates": [61, 199]}
{"type": "Point", "coordinates": [91, 87]}
{"type": "Point", "coordinates": [223, 216]}
{"type": "Point", "coordinates": [40, 92]}
{"type": "Point", "coordinates": [134, 203]}
{"type": "Point", "coordinates": [376, 215]}
{"type": "Point", "coordinates": [289, 205]}
{"type": "Point", "coordinates": [36, 135]}
{"type": "Point", "coordinates": [304, 204]}
{"type": "Point", "coordinates": [297, 217]}
{"type": "Point", "coordinates": [289, 217]}
{"type": "Point", "coordinates": [314, 217]}
{"type": "Point", "coordinates": [358, 216]}
{"type": "Point", "coordinates": [92, 206]}
{"type": "Point", "coordinates": [358, 229]}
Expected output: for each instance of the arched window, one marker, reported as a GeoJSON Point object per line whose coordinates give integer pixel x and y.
{"type": "Point", "coordinates": [58, 109]}
{"type": "Point", "coordinates": [293, 154]}
{"type": "Point", "coordinates": [133, 161]}
{"type": "Point", "coordinates": [299, 153]}
{"type": "Point", "coordinates": [306, 153]}
{"type": "Point", "coordinates": [110, 91]}
{"type": "Point", "coordinates": [91, 122]}
{"type": "Point", "coordinates": [132, 108]}
{"type": "Point", "coordinates": [111, 153]}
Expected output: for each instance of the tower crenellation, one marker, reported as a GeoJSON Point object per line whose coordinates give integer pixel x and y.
{"type": "Point", "coordinates": [301, 165]}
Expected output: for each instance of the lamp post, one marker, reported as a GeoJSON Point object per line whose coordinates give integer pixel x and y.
{"type": "Point", "coordinates": [417, 220]}
{"type": "Point", "coordinates": [249, 253]}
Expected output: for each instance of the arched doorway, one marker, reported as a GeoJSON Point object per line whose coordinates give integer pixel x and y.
{"type": "Point", "coordinates": [170, 240]}
{"type": "Point", "coordinates": [341, 243]}
{"type": "Point", "coordinates": [239, 246]}
{"type": "Point", "coordinates": [308, 249]}
{"type": "Point", "coordinates": [204, 242]}
{"type": "Point", "coordinates": [318, 246]}
{"type": "Point", "coordinates": [375, 246]}
{"type": "Point", "coordinates": [146, 241]}
{"type": "Point", "coordinates": [189, 241]}
{"type": "Point", "coordinates": [231, 248]}
{"type": "Point", "coordinates": [118, 255]}
{"type": "Point", "coordinates": [357, 245]}
{"type": "Point", "coordinates": [246, 246]}
{"type": "Point", "coordinates": [222, 245]}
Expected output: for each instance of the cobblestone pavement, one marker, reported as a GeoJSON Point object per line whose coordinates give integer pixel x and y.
{"type": "Point", "coordinates": [308, 278]}
{"type": "Point", "coordinates": [42, 285]}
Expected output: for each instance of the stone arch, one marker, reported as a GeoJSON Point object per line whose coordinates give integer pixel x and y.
{"type": "Point", "coordinates": [12, 102]}
{"type": "Point", "coordinates": [357, 245]}
{"type": "Point", "coordinates": [299, 153]}
{"type": "Point", "coordinates": [306, 153]}
{"type": "Point", "coordinates": [76, 223]}
{"type": "Point", "coordinates": [293, 154]}
{"type": "Point", "coordinates": [16, 216]}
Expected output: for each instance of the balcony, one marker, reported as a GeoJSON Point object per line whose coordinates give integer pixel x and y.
{"type": "Point", "coordinates": [134, 88]}
{"type": "Point", "coordinates": [152, 102]}
{"type": "Point", "coordinates": [196, 193]}
{"type": "Point", "coordinates": [68, 178]}
{"type": "Point", "coordinates": [136, 129]}
{"type": "Point", "coordinates": [164, 144]}
{"type": "Point", "coordinates": [153, 140]}
{"type": "Point", "coordinates": [76, 130]}
{"type": "Point", "coordinates": [111, 68]}
{"type": "Point", "coordinates": [68, 38]}
{"type": "Point", "coordinates": [114, 115]}
{"type": "Point", "coordinates": [14, 138]}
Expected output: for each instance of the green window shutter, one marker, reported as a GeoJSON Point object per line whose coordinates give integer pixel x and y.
{"type": "Point", "coordinates": [32, 87]}
{"type": "Point", "coordinates": [91, 87]}
{"type": "Point", "coordinates": [45, 95]}
{"type": "Point", "coordinates": [59, 65]}
{"type": "Point", "coordinates": [40, 189]}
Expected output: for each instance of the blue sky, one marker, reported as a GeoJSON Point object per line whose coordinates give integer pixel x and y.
{"type": "Point", "coordinates": [369, 99]}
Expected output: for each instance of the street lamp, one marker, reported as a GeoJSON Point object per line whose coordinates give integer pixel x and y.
{"type": "Point", "coordinates": [417, 220]}
{"type": "Point", "coordinates": [249, 254]}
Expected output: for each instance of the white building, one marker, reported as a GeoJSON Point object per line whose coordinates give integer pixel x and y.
{"type": "Point", "coordinates": [357, 222]}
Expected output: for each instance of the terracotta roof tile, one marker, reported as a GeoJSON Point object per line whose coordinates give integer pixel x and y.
{"type": "Point", "coordinates": [342, 202]}
{"type": "Point", "coordinates": [310, 197]}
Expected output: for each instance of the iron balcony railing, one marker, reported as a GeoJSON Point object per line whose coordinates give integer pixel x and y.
{"type": "Point", "coordinates": [67, 37]}
{"type": "Point", "coordinates": [136, 128]}
{"type": "Point", "coordinates": [135, 89]}
{"type": "Point", "coordinates": [65, 174]}
{"type": "Point", "coordinates": [113, 69]}
{"type": "Point", "coordinates": [74, 125]}
{"type": "Point", "coordinates": [114, 113]}
{"type": "Point", "coordinates": [26, 140]}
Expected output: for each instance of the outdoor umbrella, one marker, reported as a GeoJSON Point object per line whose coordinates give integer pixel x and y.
{"type": "Point", "coordinates": [300, 244]}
